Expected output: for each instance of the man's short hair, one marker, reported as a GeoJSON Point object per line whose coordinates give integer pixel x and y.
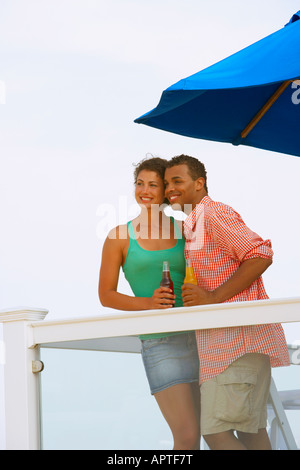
{"type": "Point", "coordinates": [195, 167]}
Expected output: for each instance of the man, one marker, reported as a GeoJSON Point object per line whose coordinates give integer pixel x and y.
{"type": "Point", "coordinates": [228, 261]}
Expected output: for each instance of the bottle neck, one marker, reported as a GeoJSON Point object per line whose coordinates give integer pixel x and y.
{"type": "Point", "coordinates": [166, 275]}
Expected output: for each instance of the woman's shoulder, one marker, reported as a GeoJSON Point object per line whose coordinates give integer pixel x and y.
{"type": "Point", "coordinates": [118, 233]}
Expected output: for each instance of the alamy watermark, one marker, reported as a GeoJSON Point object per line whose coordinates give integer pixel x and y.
{"type": "Point", "coordinates": [296, 94]}
{"type": "Point", "coordinates": [295, 353]}
{"type": "Point", "coordinates": [112, 216]}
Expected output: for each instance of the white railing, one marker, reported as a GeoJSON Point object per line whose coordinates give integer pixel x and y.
{"type": "Point", "coordinates": [25, 331]}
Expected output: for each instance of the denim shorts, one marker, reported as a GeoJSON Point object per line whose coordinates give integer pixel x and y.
{"type": "Point", "coordinates": [170, 360]}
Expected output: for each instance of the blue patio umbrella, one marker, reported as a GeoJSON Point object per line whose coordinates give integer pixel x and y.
{"type": "Point", "coordinates": [250, 98]}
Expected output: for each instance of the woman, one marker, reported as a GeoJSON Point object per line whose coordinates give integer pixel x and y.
{"type": "Point", "coordinates": [140, 247]}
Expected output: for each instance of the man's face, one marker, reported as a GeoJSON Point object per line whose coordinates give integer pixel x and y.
{"type": "Point", "coordinates": [181, 190]}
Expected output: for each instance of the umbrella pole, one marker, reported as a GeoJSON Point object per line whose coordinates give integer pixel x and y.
{"type": "Point", "coordinates": [265, 108]}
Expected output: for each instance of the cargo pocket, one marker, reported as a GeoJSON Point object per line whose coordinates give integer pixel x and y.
{"type": "Point", "coordinates": [234, 394]}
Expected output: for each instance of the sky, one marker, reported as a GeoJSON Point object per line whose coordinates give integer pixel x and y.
{"type": "Point", "coordinates": [74, 75]}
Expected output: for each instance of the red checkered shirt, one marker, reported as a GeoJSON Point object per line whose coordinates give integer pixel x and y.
{"type": "Point", "coordinates": [217, 242]}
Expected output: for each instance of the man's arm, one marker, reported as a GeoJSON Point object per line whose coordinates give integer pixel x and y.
{"type": "Point", "coordinates": [246, 274]}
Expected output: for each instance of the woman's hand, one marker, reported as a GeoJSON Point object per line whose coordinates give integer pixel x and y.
{"type": "Point", "coordinates": [161, 298]}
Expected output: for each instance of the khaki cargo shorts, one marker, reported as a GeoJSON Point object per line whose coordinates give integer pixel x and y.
{"type": "Point", "coordinates": [237, 398]}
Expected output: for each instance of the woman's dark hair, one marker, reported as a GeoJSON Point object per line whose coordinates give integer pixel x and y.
{"type": "Point", "coordinates": [151, 164]}
{"type": "Point", "coordinates": [195, 167]}
{"type": "Point", "coordinates": [156, 164]}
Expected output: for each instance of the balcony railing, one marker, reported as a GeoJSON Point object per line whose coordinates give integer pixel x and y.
{"type": "Point", "coordinates": [25, 331]}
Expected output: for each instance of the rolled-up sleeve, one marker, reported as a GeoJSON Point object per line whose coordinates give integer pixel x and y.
{"type": "Point", "coordinates": [237, 240]}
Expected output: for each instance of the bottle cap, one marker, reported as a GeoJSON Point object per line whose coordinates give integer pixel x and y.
{"type": "Point", "coordinates": [166, 266]}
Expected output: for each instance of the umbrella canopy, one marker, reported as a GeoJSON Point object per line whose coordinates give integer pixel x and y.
{"type": "Point", "coordinates": [250, 98]}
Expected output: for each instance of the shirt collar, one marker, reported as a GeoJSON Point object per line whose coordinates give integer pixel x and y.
{"type": "Point", "coordinates": [190, 221]}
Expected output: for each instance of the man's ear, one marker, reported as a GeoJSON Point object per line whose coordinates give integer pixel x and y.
{"type": "Point", "coordinates": [200, 183]}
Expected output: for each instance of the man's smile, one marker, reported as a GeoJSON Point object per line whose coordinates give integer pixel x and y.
{"type": "Point", "coordinates": [173, 197]}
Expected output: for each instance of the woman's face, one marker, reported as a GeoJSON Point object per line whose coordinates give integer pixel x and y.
{"type": "Point", "coordinates": [149, 188]}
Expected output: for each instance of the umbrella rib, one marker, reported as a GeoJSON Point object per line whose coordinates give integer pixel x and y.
{"type": "Point", "coordinates": [265, 108]}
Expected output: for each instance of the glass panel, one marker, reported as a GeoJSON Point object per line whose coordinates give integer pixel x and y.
{"type": "Point", "coordinates": [288, 378]}
{"type": "Point", "coordinates": [101, 400]}
{"type": "Point", "coordinates": [95, 400]}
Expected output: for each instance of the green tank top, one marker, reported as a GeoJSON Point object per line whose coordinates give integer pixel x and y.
{"type": "Point", "coordinates": [143, 269]}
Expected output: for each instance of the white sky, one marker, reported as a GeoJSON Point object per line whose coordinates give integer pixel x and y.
{"type": "Point", "coordinates": [77, 73]}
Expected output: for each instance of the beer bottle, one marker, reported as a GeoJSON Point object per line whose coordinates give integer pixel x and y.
{"type": "Point", "coordinates": [166, 279]}
{"type": "Point", "coordinates": [189, 273]}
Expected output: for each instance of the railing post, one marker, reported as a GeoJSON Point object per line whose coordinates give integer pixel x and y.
{"type": "Point", "coordinates": [21, 384]}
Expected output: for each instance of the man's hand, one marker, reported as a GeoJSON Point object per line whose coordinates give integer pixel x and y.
{"type": "Point", "coordinates": [195, 295]}
{"type": "Point", "coordinates": [244, 276]}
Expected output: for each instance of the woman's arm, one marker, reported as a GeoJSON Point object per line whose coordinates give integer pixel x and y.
{"type": "Point", "coordinates": [112, 257]}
